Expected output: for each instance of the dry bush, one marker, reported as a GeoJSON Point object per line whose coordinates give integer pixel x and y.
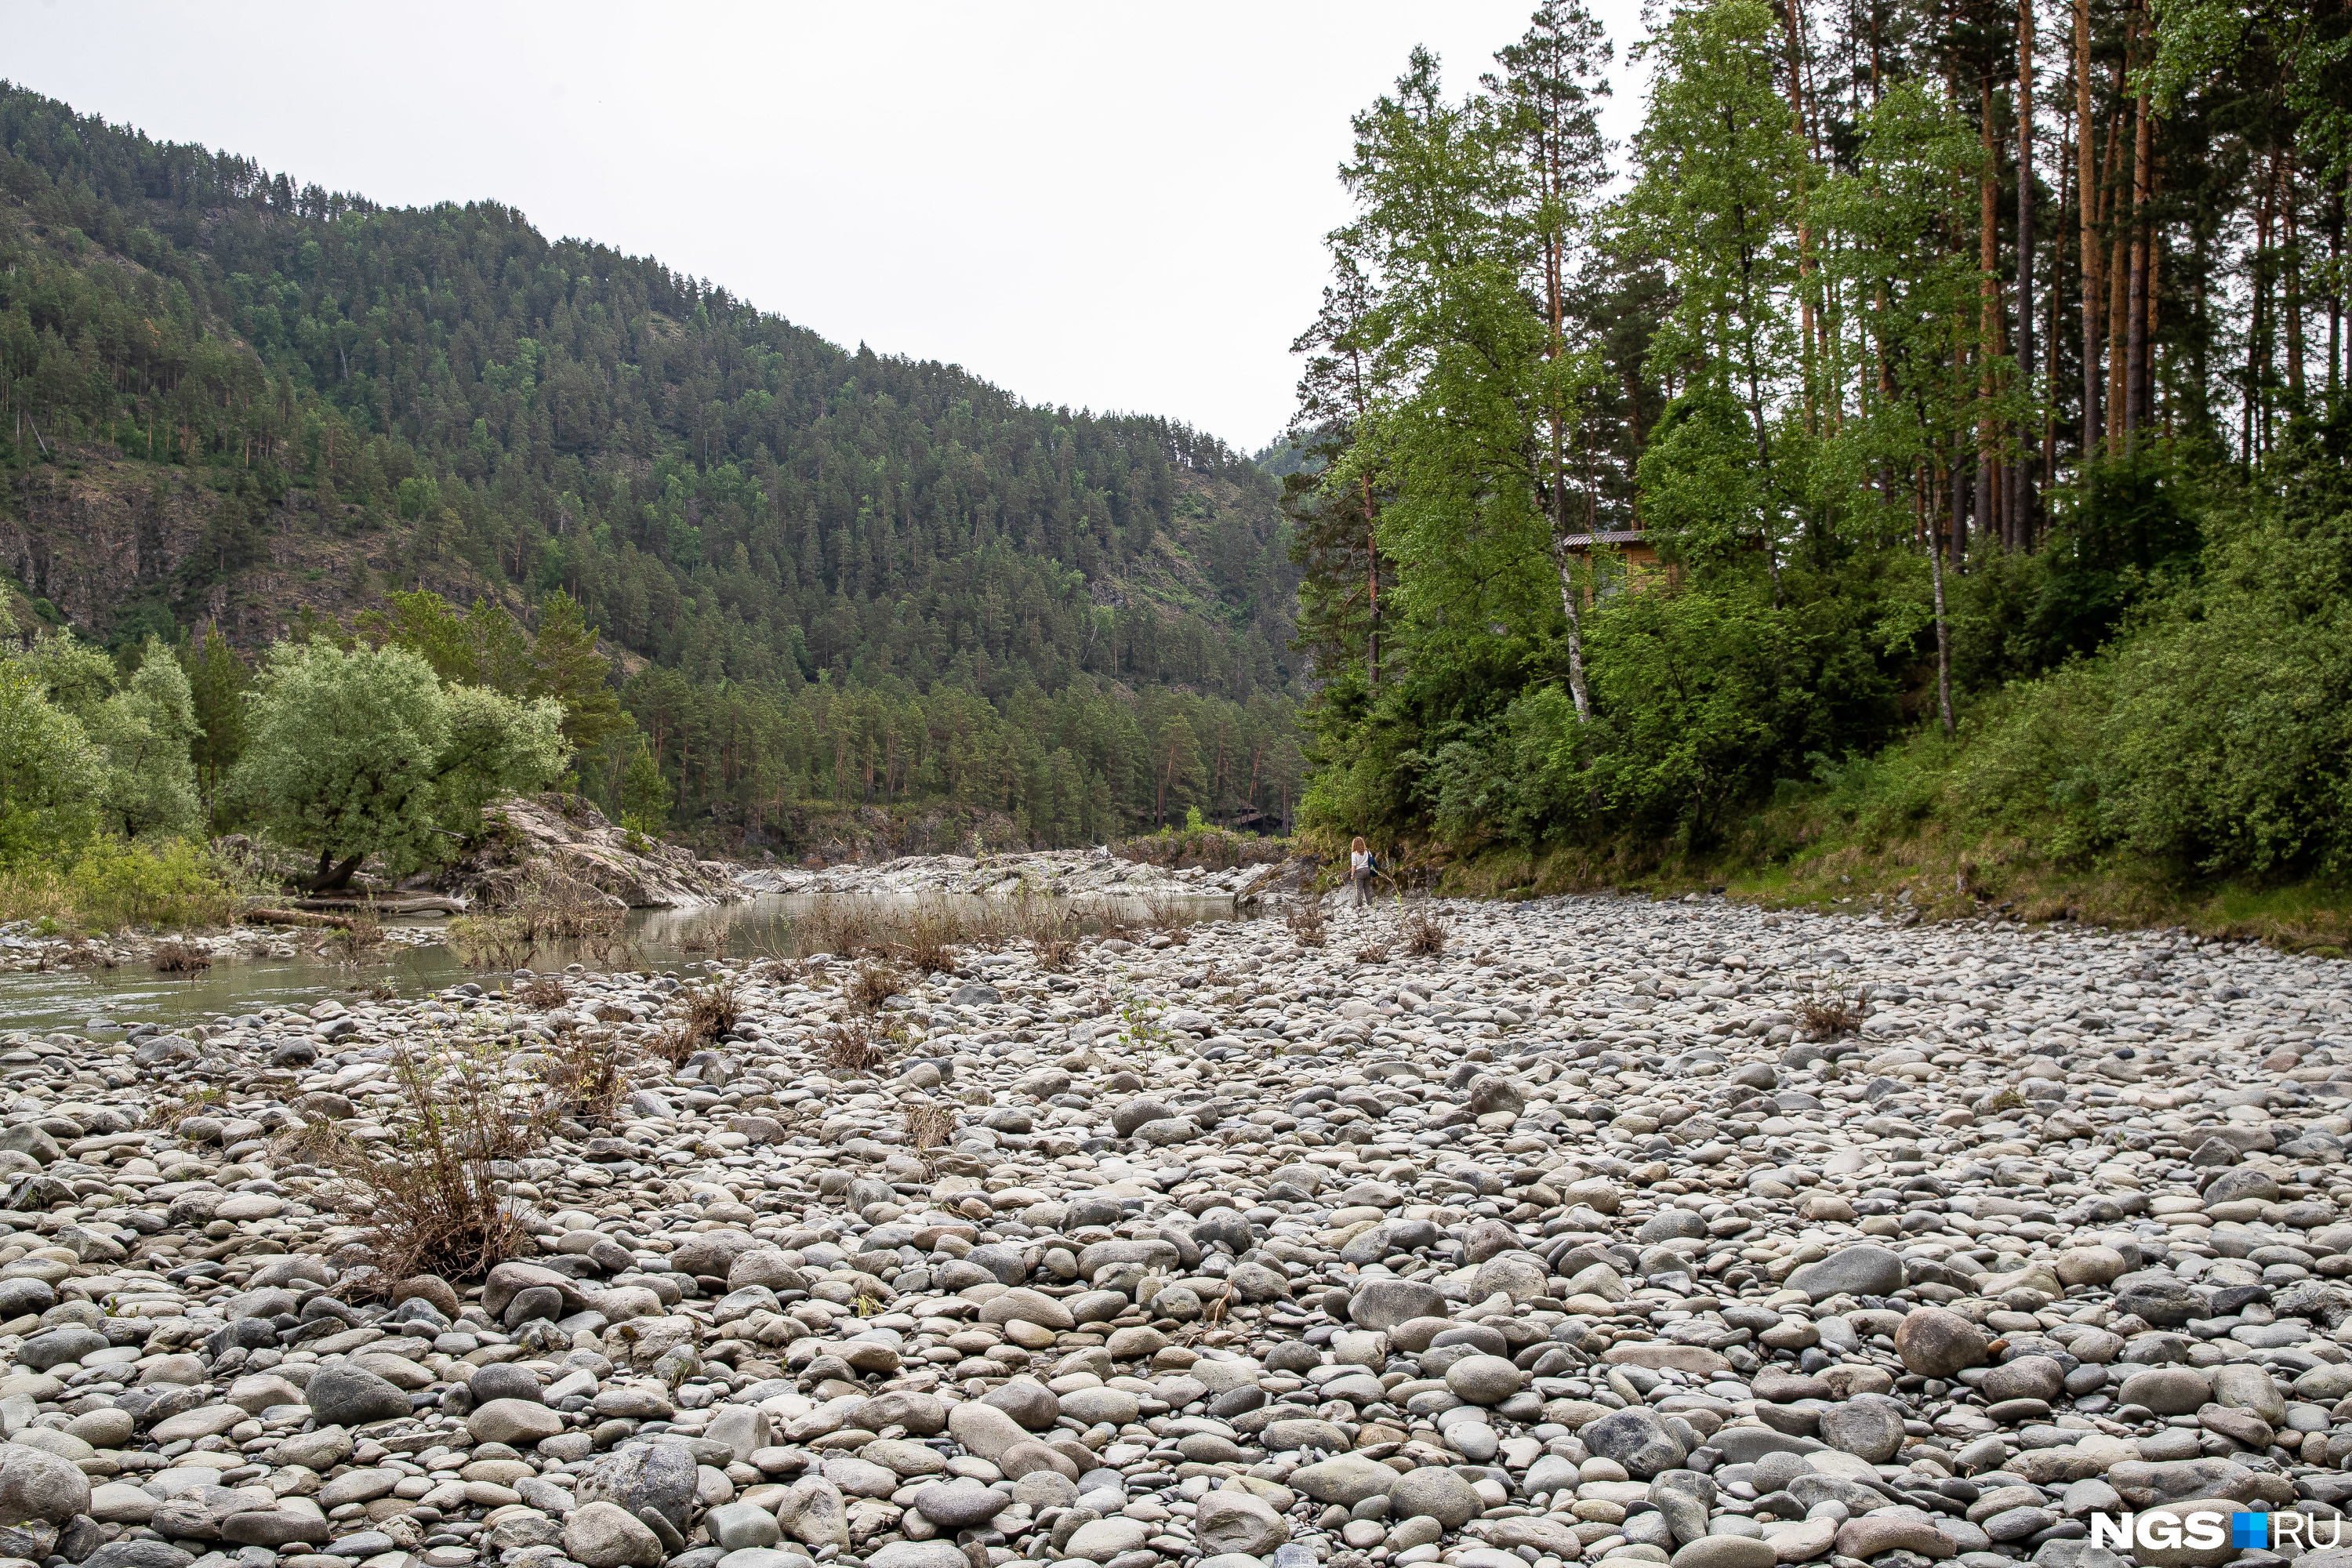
{"type": "Point", "coordinates": [1828, 1014]}
{"type": "Point", "coordinates": [1168, 917]}
{"type": "Point", "coordinates": [862, 1044]}
{"type": "Point", "coordinates": [491, 941]}
{"type": "Point", "coordinates": [835, 925]}
{"type": "Point", "coordinates": [930, 1126]}
{"type": "Point", "coordinates": [582, 1074]}
{"type": "Point", "coordinates": [432, 1201]}
{"type": "Point", "coordinates": [1424, 933]}
{"type": "Point", "coordinates": [363, 934]}
{"type": "Point", "coordinates": [711, 1010]}
{"type": "Point", "coordinates": [1304, 920]}
{"type": "Point", "coordinates": [926, 946]}
{"type": "Point", "coordinates": [672, 1044]}
{"type": "Point", "coordinates": [556, 907]}
{"type": "Point", "coordinates": [166, 1114]}
{"type": "Point", "coordinates": [1108, 919]}
{"type": "Point", "coordinates": [1053, 938]}
{"type": "Point", "coordinates": [80, 952]}
{"type": "Point", "coordinates": [1373, 952]}
{"type": "Point", "coordinates": [610, 950]}
{"type": "Point", "coordinates": [873, 986]}
{"type": "Point", "coordinates": [177, 957]}
{"type": "Point", "coordinates": [545, 993]}
{"type": "Point", "coordinates": [548, 906]}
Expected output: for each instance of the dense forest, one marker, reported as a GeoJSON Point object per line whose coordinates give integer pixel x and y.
{"type": "Point", "coordinates": [1932, 423]}
{"type": "Point", "coordinates": [825, 575]}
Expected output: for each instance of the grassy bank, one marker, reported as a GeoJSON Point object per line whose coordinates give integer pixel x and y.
{"type": "Point", "coordinates": [1800, 855]}
{"type": "Point", "coordinates": [168, 885]}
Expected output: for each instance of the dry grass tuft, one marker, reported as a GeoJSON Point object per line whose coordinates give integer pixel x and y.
{"type": "Point", "coordinates": [1828, 1014]}
{"type": "Point", "coordinates": [312, 1143]}
{"type": "Point", "coordinates": [860, 1045]}
{"type": "Point", "coordinates": [583, 1078]}
{"type": "Point", "coordinates": [926, 946]}
{"type": "Point", "coordinates": [177, 957]}
{"type": "Point", "coordinates": [545, 993]}
{"type": "Point", "coordinates": [1305, 921]}
{"type": "Point", "coordinates": [930, 1126]}
{"type": "Point", "coordinates": [1373, 952]}
{"type": "Point", "coordinates": [873, 986]}
{"type": "Point", "coordinates": [712, 1010]}
{"type": "Point", "coordinates": [431, 1199]}
{"type": "Point", "coordinates": [166, 1114]}
{"type": "Point", "coordinates": [1424, 933]}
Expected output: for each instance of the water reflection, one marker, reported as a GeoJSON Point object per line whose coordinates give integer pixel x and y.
{"type": "Point", "coordinates": [774, 925]}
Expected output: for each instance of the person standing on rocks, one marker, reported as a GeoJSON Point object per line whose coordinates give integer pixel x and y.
{"type": "Point", "coordinates": [1359, 871]}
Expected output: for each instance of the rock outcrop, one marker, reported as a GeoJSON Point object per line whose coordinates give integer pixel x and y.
{"type": "Point", "coordinates": [536, 835]}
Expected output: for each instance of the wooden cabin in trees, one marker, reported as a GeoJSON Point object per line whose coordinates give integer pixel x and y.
{"type": "Point", "coordinates": [1630, 561]}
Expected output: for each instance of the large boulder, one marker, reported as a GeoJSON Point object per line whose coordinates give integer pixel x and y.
{"type": "Point", "coordinates": [347, 1396]}
{"type": "Point", "coordinates": [1859, 1271]}
{"type": "Point", "coordinates": [605, 1535]}
{"type": "Point", "coordinates": [562, 840]}
{"type": "Point", "coordinates": [36, 1484]}
{"type": "Point", "coordinates": [658, 1477]}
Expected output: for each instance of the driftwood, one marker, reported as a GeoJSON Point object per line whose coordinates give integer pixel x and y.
{"type": "Point", "coordinates": [386, 903]}
{"type": "Point", "coordinates": [294, 918]}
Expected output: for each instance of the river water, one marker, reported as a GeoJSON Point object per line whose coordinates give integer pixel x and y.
{"type": "Point", "coordinates": [773, 925]}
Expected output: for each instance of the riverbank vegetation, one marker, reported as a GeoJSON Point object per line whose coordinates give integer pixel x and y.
{"type": "Point", "coordinates": [1923, 473]}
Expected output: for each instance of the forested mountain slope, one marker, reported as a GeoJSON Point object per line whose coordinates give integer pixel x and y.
{"type": "Point", "coordinates": [233, 401]}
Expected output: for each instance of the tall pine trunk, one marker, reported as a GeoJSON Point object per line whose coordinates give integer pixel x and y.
{"type": "Point", "coordinates": [1989, 345]}
{"type": "Point", "coordinates": [2086, 199]}
{"type": "Point", "coordinates": [2135, 379]}
{"type": "Point", "coordinates": [2024, 508]}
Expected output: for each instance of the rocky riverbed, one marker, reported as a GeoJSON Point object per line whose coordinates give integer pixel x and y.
{"type": "Point", "coordinates": [1045, 872]}
{"type": "Point", "coordinates": [1565, 1245]}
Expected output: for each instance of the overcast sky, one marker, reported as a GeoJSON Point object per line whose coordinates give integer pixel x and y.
{"type": "Point", "coordinates": [1117, 206]}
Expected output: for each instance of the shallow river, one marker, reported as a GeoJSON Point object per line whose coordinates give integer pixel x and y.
{"type": "Point", "coordinates": [774, 925]}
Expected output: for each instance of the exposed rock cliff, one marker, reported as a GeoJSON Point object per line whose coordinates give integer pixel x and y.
{"type": "Point", "coordinates": [565, 835]}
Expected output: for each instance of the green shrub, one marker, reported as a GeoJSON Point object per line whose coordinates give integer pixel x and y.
{"type": "Point", "coordinates": [172, 883]}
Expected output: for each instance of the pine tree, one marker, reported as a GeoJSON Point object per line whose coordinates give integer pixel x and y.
{"type": "Point", "coordinates": [564, 664]}
{"type": "Point", "coordinates": [217, 680]}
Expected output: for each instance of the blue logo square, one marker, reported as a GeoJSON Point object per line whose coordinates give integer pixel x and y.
{"type": "Point", "coordinates": [2250, 1532]}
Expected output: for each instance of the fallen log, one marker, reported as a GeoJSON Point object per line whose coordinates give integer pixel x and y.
{"type": "Point", "coordinates": [294, 918]}
{"type": "Point", "coordinates": [387, 904]}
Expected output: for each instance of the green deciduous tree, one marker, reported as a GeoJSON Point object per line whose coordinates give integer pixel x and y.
{"type": "Point", "coordinates": [365, 753]}
{"type": "Point", "coordinates": [1724, 180]}
{"type": "Point", "coordinates": [50, 773]}
{"type": "Point", "coordinates": [144, 731]}
{"type": "Point", "coordinates": [147, 732]}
